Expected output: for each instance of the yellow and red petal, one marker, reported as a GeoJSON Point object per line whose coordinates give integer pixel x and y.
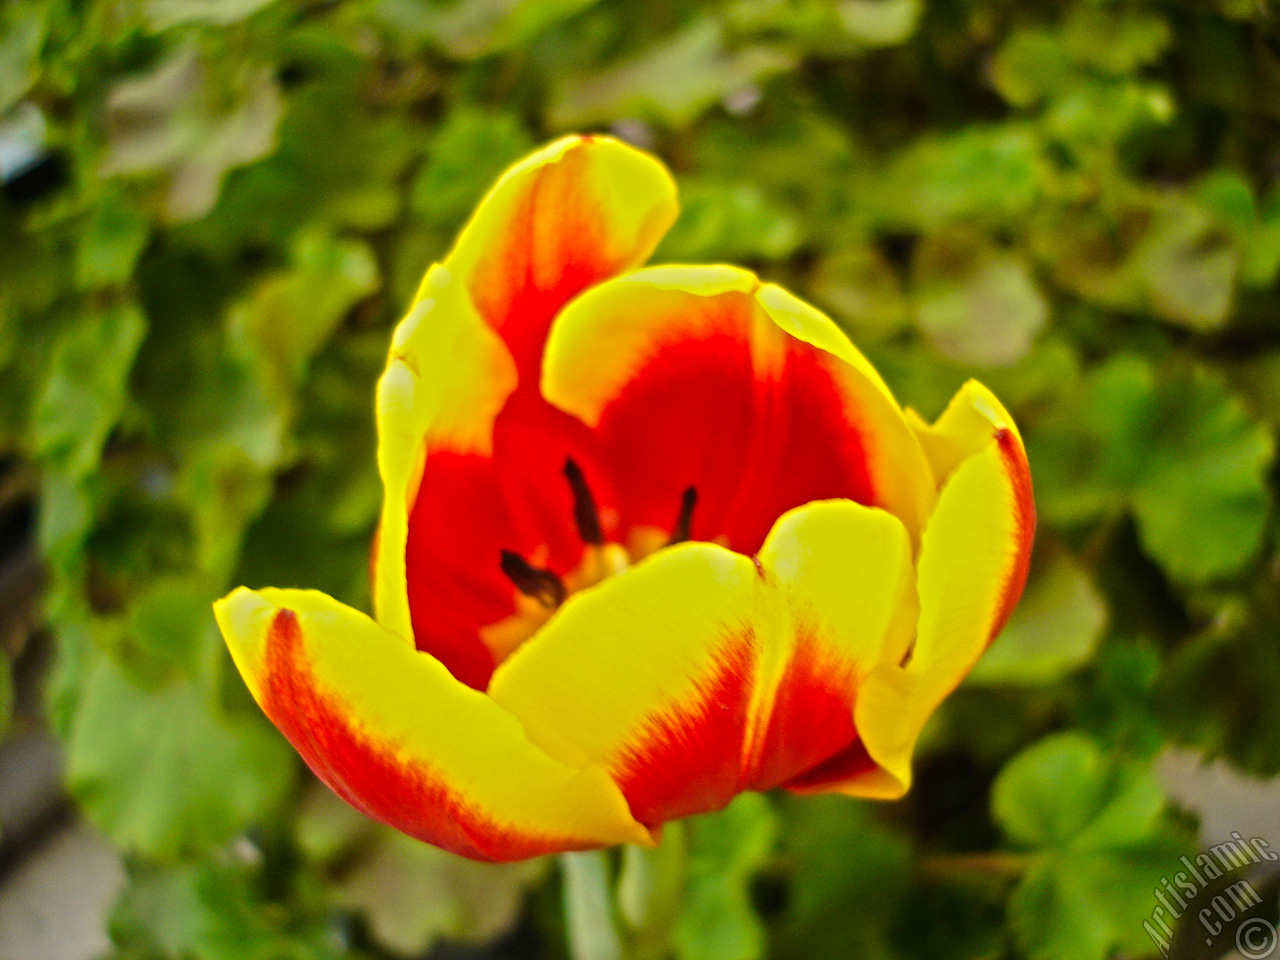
{"type": "Point", "coordinates": [972, 568]}
{"type": "Point", "coordinates": [702, 672]}
{"type": "Point", "coordinates": [570, 215]}
{"type": "Point", "coordinates": [704, 377]}
{"type": "Point", "coordinates": [448, 377]}
{"type": "Point", "coordinates": [580, 210]}
{"type": "Point", "coordinates": [390, 731]}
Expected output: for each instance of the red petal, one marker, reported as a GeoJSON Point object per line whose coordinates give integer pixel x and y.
{"type": "Point", "coordinates": [698, 415]}
{"type": "Point", "coordinates": [470, 508]}
{"type": "Point", "coordinates": [689, 759]}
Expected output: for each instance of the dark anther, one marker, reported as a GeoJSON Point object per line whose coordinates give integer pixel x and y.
{"type": "Point", "coordinates": [585, 514]}
{"type": "Point", "coordinates": [543, 585]}
{"type": "Point", "coordinates": [680, 532]}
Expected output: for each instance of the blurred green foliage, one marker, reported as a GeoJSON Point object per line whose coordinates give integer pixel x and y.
{"type": "Point", "coordinates": [1074, 200]}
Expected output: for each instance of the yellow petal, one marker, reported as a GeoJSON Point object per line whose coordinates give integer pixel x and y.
{"type": "Point", "coordinates": [972, 568]}
{"type": "Point", "coordinates": [576, 212]}
{"type": "Point", "coordinates": [396, 736]}
{"type": "Point", "coordinates": [969, 422]}
{"type": "Point", "coordinates": [682, 365]}
{"type": "Point", "coordinates": [702, 672]}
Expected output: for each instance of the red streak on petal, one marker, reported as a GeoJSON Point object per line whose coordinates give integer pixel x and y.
{"type": "Point", "coordinates": [554, 247]}
{"type": "Point", "coordinates": [688, 760]}
{"type": "Point", "coordinates": [458, 526]}
{"type": "Point", "coordinates": [470, 507]}
{"type": "Point", "coordinates": [410, 796]}
{"type": "Point", "coordinates": [698, 414]}
{"type": "Point", "coordinates": [808, 445]}
{"type": "Point", "coordinates": [811, 717]}
{"type": "Point", "coordinates": [1015, 464]}
{"type": "Point", "coordinates": [852, 761]}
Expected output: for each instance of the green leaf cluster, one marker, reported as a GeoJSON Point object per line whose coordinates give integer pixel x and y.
{"type": "Point", "coordinates": [1091, 822]}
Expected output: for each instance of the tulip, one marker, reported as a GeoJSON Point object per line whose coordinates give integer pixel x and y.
{"type": "Point", "coordinates": [651, 537]}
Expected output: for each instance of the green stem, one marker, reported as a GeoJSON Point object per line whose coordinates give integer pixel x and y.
{"type": "Point", "coordinates": [588, 908]}
{"type": "Point", "coordinates": [649, 891]}
{"type": "Point", "coordinates": [999, 864]}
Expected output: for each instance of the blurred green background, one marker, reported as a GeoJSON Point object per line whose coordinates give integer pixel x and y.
{"type": "Point", "coordinates": [214, 209]}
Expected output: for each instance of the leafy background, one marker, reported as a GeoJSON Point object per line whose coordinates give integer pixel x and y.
{"type": "Point", "coordinates": [1074, 200]}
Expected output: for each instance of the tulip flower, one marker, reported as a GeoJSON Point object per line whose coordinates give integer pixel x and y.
{"type": "Point", "coordinates": [651, 537]}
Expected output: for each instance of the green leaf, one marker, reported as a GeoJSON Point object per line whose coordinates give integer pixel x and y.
{"type": "Point", "coordinates": [169, 629]}
{"type": "Point", "coordinates": [470, 150]}
{"type": "Point", "coordinates": [66, 518]}
{"type": "Point", "coordinates": [862, 292]}
{"type": "Point", "coordinates": [729, 221]}
{"type": "Point", "coordinates": [1236, 712]}
{"type": "Point", "coordinates": [1095, 822]}
{"type": "Point", "coordinates": [672, 82]}
{"type": "Point", "coordinates": [726, 849]}
{"type": "Point", "coordinates": [217, 911]}
{"type": "Point", "coordinates": [1054, 630]}
{"type": "Point", "coordinates": [290, 315]}
{"type": "Point", "coordinates": [849, 880]}
{"type": "Point", "coordinates": [178, 123]}
{"type": "Point", "coordinates": [475, 28]}
{"type": "Point", "coordinates": [1180, 451]}
{"type": "Point", "coordinates": [338, 164]}
{"type": "Point", "coordinates": [22, 33]}
{"type": "Point", "coordinates": [84, 390]}
{"type": "Point", "coordinates": [110, 243]}
{"type": "Point", "coordinates": [226, 491]}
{"type": "Point", "coordinates": [880, 23]}
{"type": "Point", "coordinates": [1030, 66]}
{"type": "Point", "coordinates": [1062, 792]}
{"type": "Point", "coordinates": [165, 772]}
{"type": "Point", "coordinates": [1114, 40]}
{"type": "Point", "coordinates": [1119, 707]}
{"type": "Point", "coordinates": [1202, 501]}
{"type": "Point", "coordinates": [163, 14]}
{"type": "Point", "coordinates": [1189, 265]}
{"type": "Point", "coordinates": [976, 304]}
{"type": "Point", "coordinates": [985, 174]}
{"type": "Point", "coordinates": [1261, 254]}
{"type": "Point", "coordinates": [1097, 114]}
{"type": "Point", "coordinates": [328, 828]}
{"type": "Point", "coordinates": [1086, 907]}
{"type": "Point", "coordinates": [1228, 197]}
{"type": "Point", "coordinates": [413, 894]}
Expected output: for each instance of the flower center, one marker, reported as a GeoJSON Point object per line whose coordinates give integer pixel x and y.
{"type": "Point", "coordinates": [542, 590]}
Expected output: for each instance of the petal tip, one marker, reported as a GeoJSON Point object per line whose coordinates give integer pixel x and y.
{"type": "Point", "coordinates": [245, 619]}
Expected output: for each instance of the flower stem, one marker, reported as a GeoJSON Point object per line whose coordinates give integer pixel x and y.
{"type": "Point", "coordinates": [649, 891]}
{"type": "Point", "coordinates": [588, 907]}
{"type": "Point", "coordinates": [997, 864]}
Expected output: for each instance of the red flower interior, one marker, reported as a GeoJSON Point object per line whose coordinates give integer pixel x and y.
{"type": "Point", "coordinates": [697, 416]}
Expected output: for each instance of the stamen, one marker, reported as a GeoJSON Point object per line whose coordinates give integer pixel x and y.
{"type": "Point", "coordinates": [585, 514]}
{"type": "Point", "coordinates": [680, 532]}
{"type": "Point", "coordinates": [543, 585]}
